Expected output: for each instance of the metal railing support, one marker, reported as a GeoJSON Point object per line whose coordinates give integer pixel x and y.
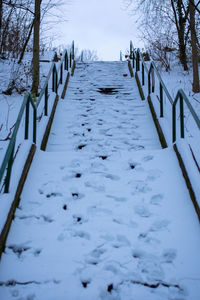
{"type": "Point", "coordinates": [161, 100]}
{"type": "Point", "coordinates": [27, 120]}
{"type": "Point", "coordinates": [9, 170]}
{"type": "Point", "coordinates": [46, 101]}
{"type": "Point", "coordinates": [181, 117]}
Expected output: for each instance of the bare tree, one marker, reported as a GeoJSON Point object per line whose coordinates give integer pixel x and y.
{"type": "Point", "coordinates": [180, 19]}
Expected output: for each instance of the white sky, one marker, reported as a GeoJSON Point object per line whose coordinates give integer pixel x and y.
{"type": "Point", "coordinates": [101, 25]}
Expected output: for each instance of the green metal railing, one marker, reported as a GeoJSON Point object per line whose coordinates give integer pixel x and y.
{"type": "Point", "coordinates": [55, 73]}
{"type": "Point", "coordinates": [140, 65]}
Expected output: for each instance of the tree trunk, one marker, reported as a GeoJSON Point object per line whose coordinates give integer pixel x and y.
{"type": "Point", "coordinates": [26, 43]}
{"type": "Point", "coordinates": [181, 35]}
{"type": "Point", "coordinates": [195, 84]}
{"type": "Point", "coordinates": [180, 21]}
{"type": "Point", "coordinates": [1, 14]}
{"type": "Point", "coordinates": [36, 48]}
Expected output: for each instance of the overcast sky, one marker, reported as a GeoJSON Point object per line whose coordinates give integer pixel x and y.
{"type": "Point", "coordinates": [101, 25]}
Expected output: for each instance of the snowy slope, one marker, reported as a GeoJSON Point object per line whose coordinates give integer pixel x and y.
{"type": "Point", "coordinates": [105, 213]}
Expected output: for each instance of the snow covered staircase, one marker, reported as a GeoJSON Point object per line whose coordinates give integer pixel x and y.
{"type": "Point", "coordinates": [105, 213]}
{"type": "Point", "coordinates": [102, 113]}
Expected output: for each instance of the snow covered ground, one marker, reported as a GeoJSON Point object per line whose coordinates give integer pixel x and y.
{"type": "Point", "coordinates": [11, 104]}
{"type": "Point", "coordinates": [105, 213]}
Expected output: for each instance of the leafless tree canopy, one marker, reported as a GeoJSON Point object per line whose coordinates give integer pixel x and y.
{"type": "Point", "coordinates": [170, 26]}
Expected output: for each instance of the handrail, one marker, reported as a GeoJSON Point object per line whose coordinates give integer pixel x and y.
{"type": "Point", "coordinates": [7, 163]}
{"type": "Point", "coordinates": [182, 97]}
{"type": "Point", "coordinates": [137, 57]}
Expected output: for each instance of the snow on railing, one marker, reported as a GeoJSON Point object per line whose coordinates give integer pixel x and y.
{"type": "Point", "coordinates": [180, 118]}
{"type": "Point", "coordinates": [55, 77]}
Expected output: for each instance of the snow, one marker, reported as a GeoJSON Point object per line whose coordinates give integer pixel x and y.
{"type": "Point", "coordinates": [105, 212]}
{"type": "Point", "coordinates": [174, 80]}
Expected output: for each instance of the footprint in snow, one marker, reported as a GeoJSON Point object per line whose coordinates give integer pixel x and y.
{"type": "Point", "coordinates": [147, 158]}
{"type": "Point", "coordinates": [159, 225]}
{"type": "Point", "coordinates": [37, 252]}
{"type": "Point", "coordinates": [112, 177]}
{"type": "Point", "coordinates": [79, 219]}
{"type": "Point", "coordinates": [94, 185]}
{"type": "Point", "coordinates": [148, 239]}
{"type": "Point", "coordinates": [98, 252]}
{"type": "Point", "coordinates": [151, 269]}
{"type": "Point", "coordinates": [139, 187]}
{"type": "Point", "coordinates": [77, 196]}
{"type": "Point", "coordinates": [19, 249]}
{"type": "Point", "coordinates": [156, 199]}
{"type": "Point", "coordinates": [153, 175]}
{"type": "Point", "coordinates": [142, 211]}
{"type": "Point", "coordinates": [118, 199]}
{"type": "Point", "coordinates": [169, 255]}
{"type": "Point", "coordinates": [121, 241]}
{"type": "Point", "coordinates": [81, 234]}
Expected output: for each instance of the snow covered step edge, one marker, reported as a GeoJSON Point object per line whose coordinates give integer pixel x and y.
{"type": "Point", "coordinates": [15, 202]}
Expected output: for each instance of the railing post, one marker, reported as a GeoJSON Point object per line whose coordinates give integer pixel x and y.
{"type": "Point", "coordinates": [149, 82]}
{"type": "Point", "coordinates": [82, 56]}
{"type": "Point", "coordinates": [153, 81]}
{"type": "Point", "coordinates": [9, 169]}
{"type": "Point", "coordinates": [46, 101]}
{"type": "Point", "coordinates": [66, 61]}
{"type": "Point", "coordinates": [131, 49]}
{"type": "Point", "coordinates": [133, 60]}
{"type": "Point", "coordinates": [174, 123]}
{"type": "Point", "coordinates": [53, 79]}
{"type": "Point", "coordinates": [56, 80]}
{"type": "Point", "coordinates": [120, 55]}
{"type": "Point", "coordinates": [27, 119]}
{"type": "Point", "coordinates": [137, 62]}
{"type": "Point", "coordinates": [161, 100]}
{"type": "Point", "coordinates": [142, 73]}
{"type": "Point", "coordinates": [72, 50]}
{"type": "Point", "coordinates": [34, 124]}
{"type": "Point", "coordinates": [61, 73]}
{"type": "Point", "coordinates": [181, 117]}
{"type": "Point", "coordinates": [70, 60]}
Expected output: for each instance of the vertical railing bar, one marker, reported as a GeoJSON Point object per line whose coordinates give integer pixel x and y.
{"type": "Point", "coordinates": [153, 80]}
{"type": "Point", "coordinates": [56, 80]}
{"type": "Point", "coordinates": [53, 79]}
{"type": "Point", "coordinates": [181, 117]}
{"type": "Point", "coordinates": [9, 170]}
{"type": "Point", "coordinates": [34, 124]}
{"type": "Point", "coordinates": [120, 55]}
{"type": "Point", "coordinates": [70, 60]}
{"type": "Point", "coordinates": [66, 61]}
{"type": "Point", "coordinates": [61, 73]}
{"type": "Point", "coordinates": [46, 101]}
{"type": "Point", "coordinates": [27, 119]}
{"type": "Point", "coordinates": [149, 83]}
{"type": "Point", "coordinates": [161, 100]}
{"type": "Point", "coordinates": [174, 123]}
{"type": "Point", "coordinates": [137, 62]}
{"type": "Point", "coordinates": [142, 73]}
